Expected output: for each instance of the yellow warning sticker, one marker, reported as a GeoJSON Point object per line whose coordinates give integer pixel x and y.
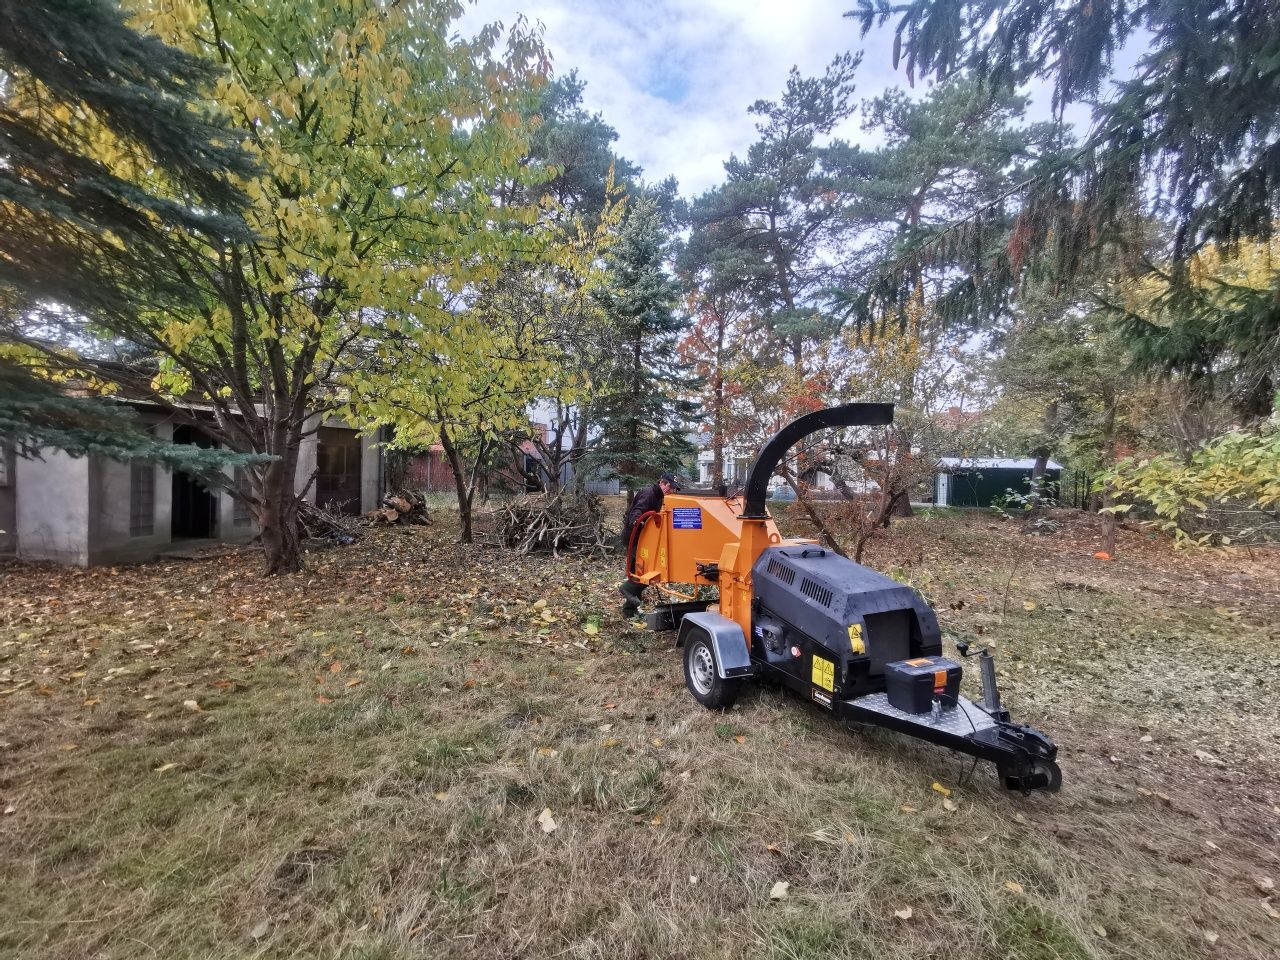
{"type": "Point", "coordinates": [855, 638]}
{"type": "Point", "coordinates": [824, 673]}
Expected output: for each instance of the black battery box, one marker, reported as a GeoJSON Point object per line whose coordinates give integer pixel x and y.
{"type": "Point", "coordinates": [913, 685]}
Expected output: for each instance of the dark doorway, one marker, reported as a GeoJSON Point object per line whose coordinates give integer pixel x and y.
{"type": "Point", "coordinates": [338, 470]}
{"type": "Point", "coordinates": [194, 507]}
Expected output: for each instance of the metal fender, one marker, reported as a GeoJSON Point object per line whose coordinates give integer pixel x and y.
{"type": "Point", "coordinates": [733, 656]}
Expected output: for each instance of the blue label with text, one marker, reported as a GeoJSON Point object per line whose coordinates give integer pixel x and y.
{"type": "Point", "coordinates": [686, 518]}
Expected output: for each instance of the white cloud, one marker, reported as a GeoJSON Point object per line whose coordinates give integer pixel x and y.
{"type": "Point", "coordinates": [675, 77]}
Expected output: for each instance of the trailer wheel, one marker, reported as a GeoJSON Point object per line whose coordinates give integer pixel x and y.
{"type": "Point", "coordinates": [701, 676]}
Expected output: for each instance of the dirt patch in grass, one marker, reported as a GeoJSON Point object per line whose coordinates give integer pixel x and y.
{"type": "Point", "coordinates": [352, 762]}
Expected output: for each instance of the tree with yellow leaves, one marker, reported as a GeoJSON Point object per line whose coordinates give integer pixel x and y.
{"type": "Point", "coordinates": [381, 139]}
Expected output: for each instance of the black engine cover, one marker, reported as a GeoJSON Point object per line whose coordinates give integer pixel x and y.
{"type": "Point", "coordinates": [825, 607]}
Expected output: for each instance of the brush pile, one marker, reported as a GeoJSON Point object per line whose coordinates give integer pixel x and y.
{"type": "Point", "coordinates": [319, 524]}
{"type": "Point", "coordinates": [399, 509]}
{"type": "Point", "coordinates": [562, 522]}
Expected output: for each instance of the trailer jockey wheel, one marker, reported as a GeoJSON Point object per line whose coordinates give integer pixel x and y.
{"type": "Point", "coordinates": [1052, 773]}
{"type": "Point", "coordinates": [700, 675]}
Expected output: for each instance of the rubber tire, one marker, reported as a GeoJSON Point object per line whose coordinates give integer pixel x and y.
{"type": "Point", "coordinates": [1055, 774]}
{"type": "Point", "coordinates": [720, 693]}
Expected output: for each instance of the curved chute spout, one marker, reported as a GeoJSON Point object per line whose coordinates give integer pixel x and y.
{"type": "Point", "coordinates": [846, 415]}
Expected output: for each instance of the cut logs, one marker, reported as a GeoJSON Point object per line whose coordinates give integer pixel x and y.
{"type": "Point", "coordinates": [564, 522]}
{"type": "Point", "coordinates": [399, 509]}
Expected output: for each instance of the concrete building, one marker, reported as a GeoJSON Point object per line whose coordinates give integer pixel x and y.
{"type": "Point", "coordinates": [92, 510]}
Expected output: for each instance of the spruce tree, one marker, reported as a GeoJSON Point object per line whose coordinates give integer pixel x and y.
{"type": "Point", "coordinates": [1183, 160]}
{"type": "Point", "coordinates": [642, 416]}
{"type": "Point", "coordinates": [74, 233]}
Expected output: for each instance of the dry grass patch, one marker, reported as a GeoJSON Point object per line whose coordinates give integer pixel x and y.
{"type": "Point", "coordinates": [372, 743]}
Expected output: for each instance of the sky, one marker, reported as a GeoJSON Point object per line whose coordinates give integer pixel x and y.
{"type": "Point", "coordinates": [675, 77]}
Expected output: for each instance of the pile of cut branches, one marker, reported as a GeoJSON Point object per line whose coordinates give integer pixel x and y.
{"type": "Point", "coordinates": [563, 522]}
{"type": "Point", "coordinates": [318, 523]}
{"type": "Point", "coordinates": [399, 509]}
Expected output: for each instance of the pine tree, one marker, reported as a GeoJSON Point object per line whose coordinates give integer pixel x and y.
{"type": "Point", "coordinates": [790, 202]}
{"type": "Point", "coordinates": [944, 153]}
{"type": "Point", "coordinates": [642, 416]}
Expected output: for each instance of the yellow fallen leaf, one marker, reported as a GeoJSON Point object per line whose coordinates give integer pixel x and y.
{"type": "Point", "coordinates": [1028, 605]}
{"type": "Point", "coordinates": [540, 604]}
{"type": "Point", "coordinates": [1013, 886]}
{"type": "Point", "coordinates": [903, 914]}
{"type": "Point", "coordinates": [69, 746]}
{"type": "Point", "coordinates": [355, 681]}
{"type": "Point", "coordinates": [1100, 930]}
{"type": "Point", "coordinates": [941, 789]}
{"type": "Point", "coordinates": [442, 795]}
{"type": "Point", "coordinates": [546, 821]}
{"type": "Point", "coordinates": [610, 742]}
{"type": "Point", "coordinates": [590, 629]}
{"type": "Point", "coordinates": [165, 766]}
{"type": "Point", "coordinates": [657, 741]}
{"type": "Point", "coordinates": [92, 702]}
{"type": "Point", "coordinates": [907, 808]}
{"type": "Point", "coordinates": [547, 752]}
{"type": "Point", "coordinates": [657, 820]}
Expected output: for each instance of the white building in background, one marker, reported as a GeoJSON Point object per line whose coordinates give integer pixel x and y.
{"type": "Point", "coordinates": [92, 510]}
{"type": "Point", "coordinates": [737, 465]}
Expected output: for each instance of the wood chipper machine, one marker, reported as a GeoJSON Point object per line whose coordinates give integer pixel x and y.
{"type": "Point", "coordinates": [852, 641]}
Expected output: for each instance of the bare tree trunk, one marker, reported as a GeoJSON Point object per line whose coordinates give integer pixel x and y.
{"type": "Point", "coordinates": [277, 513]}
{"type": "Point", "coordinates": [1111, 522]}
{"type": "Point", "coordinates": [802, 497]}
{"type": "Point", "coordinates": [465, 490]}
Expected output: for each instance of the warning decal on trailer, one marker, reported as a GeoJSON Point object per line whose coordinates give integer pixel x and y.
{"type": "Point", "coordinates": [686, 518]}
{"type": "Point", "coordinates": [824, 673]}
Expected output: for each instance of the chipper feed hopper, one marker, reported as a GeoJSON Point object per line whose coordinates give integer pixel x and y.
{"type": "Point", "coordinates": [856, 643]}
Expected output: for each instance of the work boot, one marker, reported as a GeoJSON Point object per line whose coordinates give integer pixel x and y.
{"type": "Point", "coordinates": [631, 593]}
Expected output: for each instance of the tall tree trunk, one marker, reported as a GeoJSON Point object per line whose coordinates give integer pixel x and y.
{"type": "Point", "coordinates": [465, 490]}
{"type": "Point", "coordinates": [1110, 520]}
{"type": "Point", "coordinates": [277, 512]}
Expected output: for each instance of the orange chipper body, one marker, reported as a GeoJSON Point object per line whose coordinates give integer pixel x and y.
{"type": "Point", "coordinates": [719, 551]}
{"type": "Point", "coordinates": [846, 638]}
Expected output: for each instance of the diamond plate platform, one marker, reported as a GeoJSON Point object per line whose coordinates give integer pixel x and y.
{"type": "Point", "coordinates": [962, 720]}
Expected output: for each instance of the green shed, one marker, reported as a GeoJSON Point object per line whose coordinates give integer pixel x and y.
{"type": "Point", "coordinates": [980, 482]}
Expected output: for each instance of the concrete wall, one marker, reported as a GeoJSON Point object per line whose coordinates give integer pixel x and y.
{"type": "Point", "coordinates": [76, 510]}
{"type": "Point", "coordinates": [370, 474]}
{"type": "Point", "coordinates": [8, 503]}
{"type": "Point", "coordinates": [53, 508]}
{"type": "Point", "coordinates": [370, 459]}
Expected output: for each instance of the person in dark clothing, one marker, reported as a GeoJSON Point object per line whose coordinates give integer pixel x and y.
{"type": "Point", "coordinates": [647, 500]}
